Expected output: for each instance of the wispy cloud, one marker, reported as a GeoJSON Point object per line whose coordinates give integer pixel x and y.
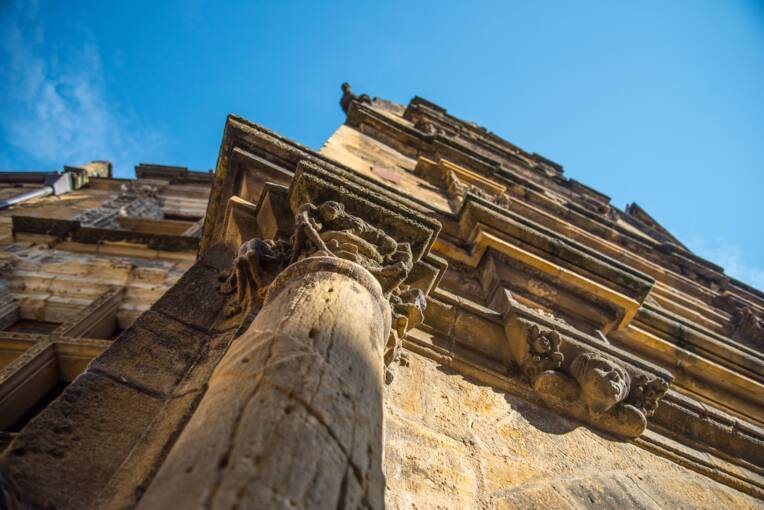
{"type": "Point", "coordinates": [55, 106]}
{"type": "Point", "coordinates": [732, 258]}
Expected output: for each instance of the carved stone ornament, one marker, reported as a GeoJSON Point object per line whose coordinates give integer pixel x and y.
{"type": "Point", "coordinates": [747, 327]}
{"type": "Point", "coordinates": [646, 392]}
{"type": "Point", "coordinates": [594, 392]}
{"type": "Point", "coordinates": [348, 97]}
{"type": "Point", "coordinates": [589, 385]}
{"type": "Point", "coordinates": [457, 189]}
{"type": "Point", "coordinates": [428, 128]}
{"type": "Point", "coordinates": [543, 352]}
{"type": "Point", "coordinates": [328, 230]}
{"type": "Point", "coordinates": [603, 382]}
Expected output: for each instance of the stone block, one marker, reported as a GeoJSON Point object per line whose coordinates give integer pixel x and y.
{"type": "Point", "coordinates": [424, 469]}
{"type": "Point", "coordinates": [67, 454]}
{"type": "Point", "coordinates": [154, 354]}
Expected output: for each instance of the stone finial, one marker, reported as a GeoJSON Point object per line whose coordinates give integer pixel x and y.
{"type": "Point", "coordinates": [348, 97]}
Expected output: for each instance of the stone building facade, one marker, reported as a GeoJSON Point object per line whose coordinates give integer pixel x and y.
{"type": "Point", "coordinates": [419, 315]}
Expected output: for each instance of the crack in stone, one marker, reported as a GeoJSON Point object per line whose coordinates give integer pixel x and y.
{"type": "Point", "coordinates": [233, 438]}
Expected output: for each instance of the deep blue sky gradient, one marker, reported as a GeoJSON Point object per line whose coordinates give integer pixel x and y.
{"type": "Point", "coordinates": [660, 102]}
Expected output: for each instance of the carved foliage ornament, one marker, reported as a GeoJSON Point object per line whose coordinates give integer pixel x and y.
{"type": "Point", "coordinates": [543, 352]}
{"type": "Point", "coordinates": [329, 230]}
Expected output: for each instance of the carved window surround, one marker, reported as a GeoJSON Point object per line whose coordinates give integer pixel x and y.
{"type": "Point", "coordinates": [34, 365]}
{"type": "Point", "coordinates": [41, 362]}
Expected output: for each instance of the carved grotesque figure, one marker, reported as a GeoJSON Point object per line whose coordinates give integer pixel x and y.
{"type": "Point", "coordinates": [256, 265]}
{"type": "Point", "coordinates": [348, 96]}
{"type": "Point", "coordinates": [603, 383]}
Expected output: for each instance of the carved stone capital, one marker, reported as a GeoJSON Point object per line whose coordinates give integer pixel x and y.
{"type": "Point", "coordinates": [321, 217]}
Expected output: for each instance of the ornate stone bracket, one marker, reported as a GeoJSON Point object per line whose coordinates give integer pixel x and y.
{"type": "Point", "coordinates": [579, 377]}
{"type": "Point", "coordinates": [457, 181]}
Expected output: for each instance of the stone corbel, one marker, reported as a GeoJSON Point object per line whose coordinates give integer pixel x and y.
{"type": "Point", "coordinates": [457, 182]}
{"type": "Point", "coordinates": [581, 377]}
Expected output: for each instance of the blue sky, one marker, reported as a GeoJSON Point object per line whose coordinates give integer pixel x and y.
{"type": "Point", "coordinates": [661, 102]}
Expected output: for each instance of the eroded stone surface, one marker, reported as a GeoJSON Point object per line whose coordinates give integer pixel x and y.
{"type": "Point", "coordinates": [454, 443]}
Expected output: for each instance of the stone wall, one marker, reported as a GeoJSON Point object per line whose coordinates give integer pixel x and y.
{"type": "Point", "coordinates": [455, 443]}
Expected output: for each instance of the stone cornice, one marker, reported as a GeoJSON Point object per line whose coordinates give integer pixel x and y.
{"type": "Point", "coordinates": [72, 230]}
{"type": "Point", "coordinates": [401, 136]}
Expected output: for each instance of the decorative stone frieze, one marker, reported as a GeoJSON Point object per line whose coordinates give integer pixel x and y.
{"type": "Point", "coordinates": [139, 201]}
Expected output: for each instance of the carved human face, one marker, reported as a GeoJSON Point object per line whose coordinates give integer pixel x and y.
{"type": "Point", "coordinates": [330, 211]}
{"type": "Point", "coordinates": [603, 383]}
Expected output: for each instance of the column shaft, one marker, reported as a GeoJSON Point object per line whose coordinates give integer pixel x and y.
{"type": "Point", "coordinates": [293, 414]}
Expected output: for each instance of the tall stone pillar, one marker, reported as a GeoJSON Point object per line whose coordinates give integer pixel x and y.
{"type": "Point", "coordinates": [293, 414]}
{"type": "Point", "coordinates": [292, 417]}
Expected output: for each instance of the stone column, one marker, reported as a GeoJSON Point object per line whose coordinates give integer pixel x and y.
{"type": "Point", "coordinates": [293, 414]}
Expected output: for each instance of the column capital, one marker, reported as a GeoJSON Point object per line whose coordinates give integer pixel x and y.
{"type": "Point", "coordinates": [327, 211]}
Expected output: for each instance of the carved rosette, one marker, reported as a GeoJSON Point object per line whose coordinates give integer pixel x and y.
{"type": "Point", "coordinates": [646, 393]}
{"type": "Point", "coordinates": [543, 352]}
